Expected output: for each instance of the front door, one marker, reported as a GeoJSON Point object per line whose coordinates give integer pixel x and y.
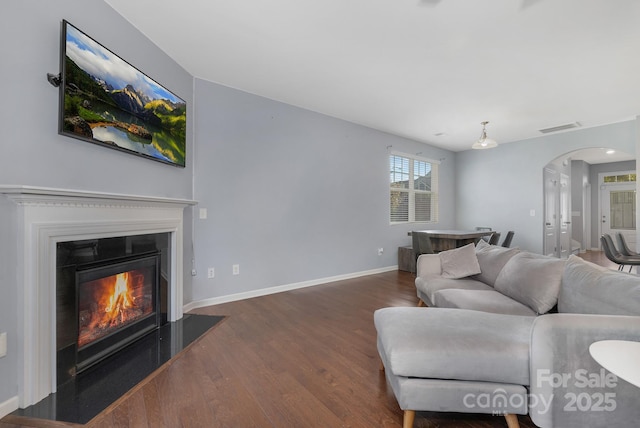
{"type": "Point", "coordinates": [618, 210]}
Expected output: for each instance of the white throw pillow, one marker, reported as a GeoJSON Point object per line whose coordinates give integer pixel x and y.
{"type": "Point", "coordinates": [460, 262]}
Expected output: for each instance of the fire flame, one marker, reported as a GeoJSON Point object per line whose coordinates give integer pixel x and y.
{"type": "Point", "coordinates": [120, 300]}
{"type": "Point", "coordinates": [112, 302]}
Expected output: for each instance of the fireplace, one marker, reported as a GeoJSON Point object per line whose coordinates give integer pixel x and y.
{"type": "Point", "coordinates": [110, 292]}
{"type": "Point", "coordinates": [37, 221]}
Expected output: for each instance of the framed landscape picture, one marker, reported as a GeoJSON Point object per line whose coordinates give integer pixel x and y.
{"type": "Point", "coordinates": [106, 101]}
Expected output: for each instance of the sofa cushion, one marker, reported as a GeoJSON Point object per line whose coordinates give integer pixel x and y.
{"type": "Point", "coordinates": [454, 344]}
{"type": "Point", "coordinates": [591, 289]}
{"type": "Point", "coordinates": [492, 259]}
{"type": "Point", "coordinates": [428, 286]}
{"type": "Point", "coordinates": [480, 300]}
{"type": "Point", "coordinates": [459, 262]}
{"type": "Point", "coordinates": [533, 280]}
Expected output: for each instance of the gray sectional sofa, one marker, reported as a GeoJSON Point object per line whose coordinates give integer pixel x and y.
{"type": "Point", "coordinates": [490, 278]}
{"type": "Point", "coordinates": [507, 332]}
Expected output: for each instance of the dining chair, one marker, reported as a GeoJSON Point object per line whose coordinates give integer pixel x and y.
{"type": "Point", "coordinates": [484, 229]}
{"type": "Point", "coordinates": [495, 238]}
{"type": "Point", "coordinates": [623, 247]}
{"type": "Point", "coordinates": [507, 239]}
{"type": "Point", "coordinates": [612, 253]}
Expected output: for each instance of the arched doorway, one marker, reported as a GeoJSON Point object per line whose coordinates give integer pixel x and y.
{"type": "Point", "coordinates": [572, 210]}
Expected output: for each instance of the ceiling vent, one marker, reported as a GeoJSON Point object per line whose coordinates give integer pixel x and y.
{"type": "Point", "coordinates": [561, 127]}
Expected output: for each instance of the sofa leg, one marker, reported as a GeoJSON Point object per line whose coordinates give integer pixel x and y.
{"type": "Point", "coordinates": [409, 416]}
{"type": "Point", "coordinates": [512, 420]}
{"type": "Point", "coordinates": [421, 303]}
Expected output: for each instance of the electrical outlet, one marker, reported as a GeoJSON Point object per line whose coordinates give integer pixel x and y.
{"type": "Point", "coordinates": [3, 344]}
{"type": "Point", "coordinates": [211, 273]}
{"type": "Point", "coordinates": [236, 269]}
{"type": "Point", "coordinates": [203, 213]}
{"type": "Point", "coordinates": [380, 251]}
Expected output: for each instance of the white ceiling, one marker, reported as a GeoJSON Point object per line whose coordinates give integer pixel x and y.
{"type": "Point", "coordinates": [429, 70]}
{"type": "Point", "coordinates": [599, 155]}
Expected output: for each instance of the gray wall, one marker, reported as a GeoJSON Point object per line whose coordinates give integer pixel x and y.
{"type": "Point", "coordinates": [32, 151]}
{"type": "Point", "coordinates": [500, 187]}
{"type": "Point", "coordinates": [293, 195]}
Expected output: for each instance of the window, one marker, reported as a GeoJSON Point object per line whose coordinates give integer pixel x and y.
{"type": "Point", "coordinates": [622, 209]}
{"type": "Point", "coordinates": [624, 178]}
{"type": "Point", "coordinates": [414, 189]}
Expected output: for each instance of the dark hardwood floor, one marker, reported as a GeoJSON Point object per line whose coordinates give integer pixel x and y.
{"type": "Point", "coordinates": [303, 358]}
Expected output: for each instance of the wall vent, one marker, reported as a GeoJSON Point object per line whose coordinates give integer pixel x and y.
{"type": "Point", "coordinates": [561, 127]}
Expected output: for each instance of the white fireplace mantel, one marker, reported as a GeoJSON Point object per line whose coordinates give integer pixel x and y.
{"type": "Point", "coordinates": [44, 217]}
{"type": "Point", "coordinates": [53, 195]}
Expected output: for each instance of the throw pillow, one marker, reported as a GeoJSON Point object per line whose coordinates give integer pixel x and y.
{"type": "Point", "coordinates": [482, 244]}
{"type": "Point", "coordinates": [533, 280]}
{"type": "Point", "coordinates": [460, 262]}
{"type": "Point", "coordinates": [492, 259]}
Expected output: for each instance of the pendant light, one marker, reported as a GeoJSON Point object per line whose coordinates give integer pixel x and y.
{"type": "Point", "coordinates": [484, 142]}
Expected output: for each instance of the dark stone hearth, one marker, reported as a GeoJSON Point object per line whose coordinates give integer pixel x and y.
{"type": "Point", "coordinates": [89, 393]}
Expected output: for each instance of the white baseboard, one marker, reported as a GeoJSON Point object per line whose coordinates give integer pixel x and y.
{"type": "Point", "coordinates": [280, 288]}
{"type": "Point", "coordinates": [9, 406]}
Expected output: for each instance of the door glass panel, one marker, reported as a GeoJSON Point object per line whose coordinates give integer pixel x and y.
{"type": "Point", "coordinates": [623, 209]}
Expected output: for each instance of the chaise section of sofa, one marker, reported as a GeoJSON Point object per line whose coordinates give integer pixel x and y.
{"type": "Point", "coordinates": [455, 360]}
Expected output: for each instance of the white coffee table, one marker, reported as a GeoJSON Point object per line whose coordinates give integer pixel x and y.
{"type": "Point", "coordinates": [620, 357]}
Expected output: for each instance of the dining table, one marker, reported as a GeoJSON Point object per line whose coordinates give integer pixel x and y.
{"type": "Point", "coordinates": [442, 240]}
